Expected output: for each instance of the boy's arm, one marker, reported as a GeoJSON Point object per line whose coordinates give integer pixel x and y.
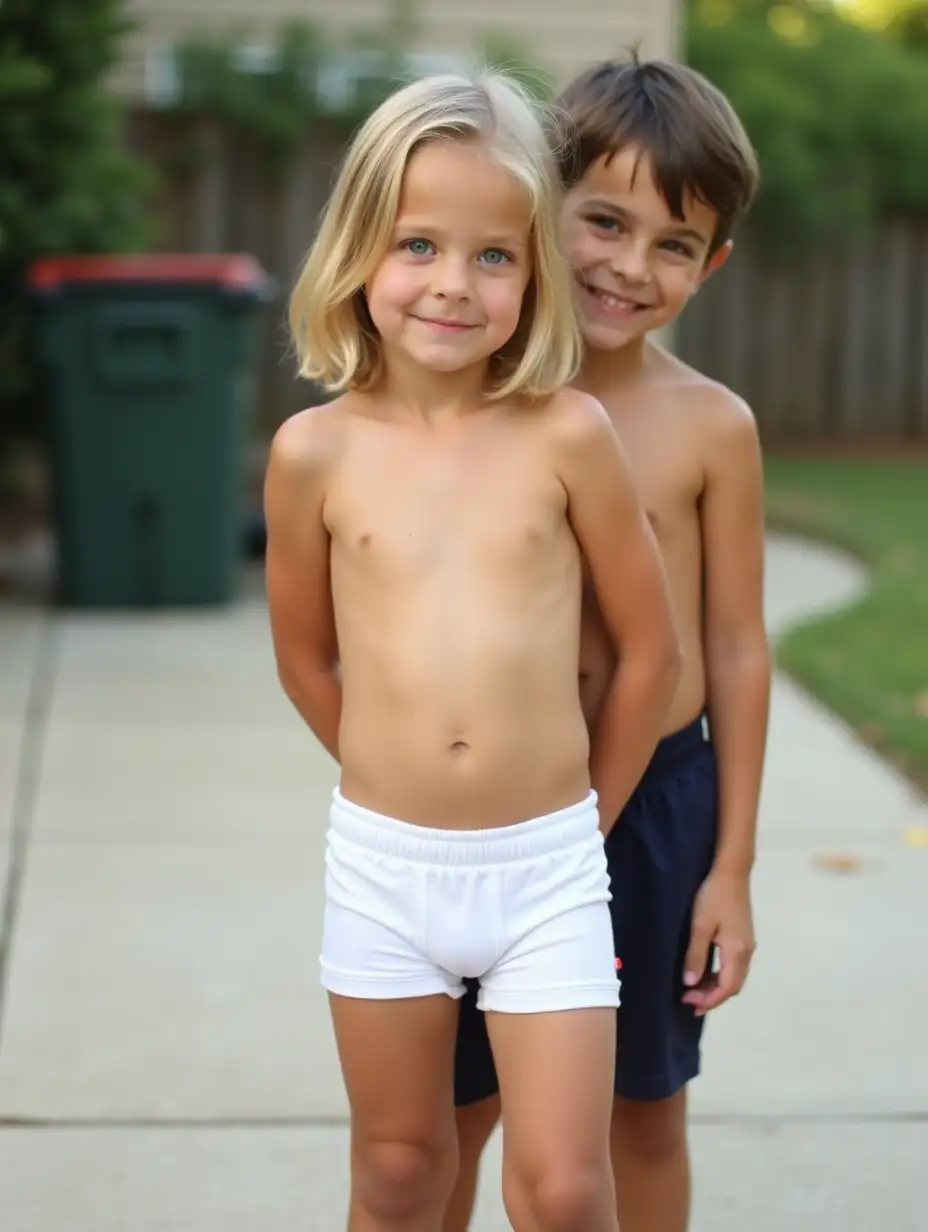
{"type": "Point", "coordinates": [738, 677]}
{"type": "Point", "coordinates": [631, 591]}
{"type": "Point", "coordinates": [297, 573]}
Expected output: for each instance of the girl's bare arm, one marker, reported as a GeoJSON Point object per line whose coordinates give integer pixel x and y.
{"type": "Point", "coordinates": [297, 572]}
{"type": "Point", "coordinates": [631, 590]}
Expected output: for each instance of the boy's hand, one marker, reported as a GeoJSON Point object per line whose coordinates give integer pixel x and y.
{"type": "Point", "coordinates": [721, 917]}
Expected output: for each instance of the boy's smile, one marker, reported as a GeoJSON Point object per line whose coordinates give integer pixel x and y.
{"type": "Point", "coordinates": [613, 303]}
{"type": "Point", "coordinates": [636, 265]}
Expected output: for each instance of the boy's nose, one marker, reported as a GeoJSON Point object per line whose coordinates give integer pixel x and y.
{"type": "Point", "coordinates": [632, 264]}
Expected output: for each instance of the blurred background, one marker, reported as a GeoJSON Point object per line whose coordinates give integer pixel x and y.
{"type": "Point", "coordinates": [162, 166]}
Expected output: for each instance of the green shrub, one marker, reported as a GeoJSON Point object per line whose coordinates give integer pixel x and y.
{"type": "Point", "coordinates": [838, 114]}
{"type": "Point", "coordinates": [66, 182]}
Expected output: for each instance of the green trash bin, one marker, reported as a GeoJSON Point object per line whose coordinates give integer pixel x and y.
{"type": "Point", "coordinates": [150, 364]}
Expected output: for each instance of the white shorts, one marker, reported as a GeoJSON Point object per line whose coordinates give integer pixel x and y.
{"type": "Point", "coordinates": [410, 911]}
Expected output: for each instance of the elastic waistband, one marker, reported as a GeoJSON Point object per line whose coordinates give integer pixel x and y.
{"type": "Point", "coordinates": [526, 840]}
{"type": "Point", "coordinates": [679, 746]}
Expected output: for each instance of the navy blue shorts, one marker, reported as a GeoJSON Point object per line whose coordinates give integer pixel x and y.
{"type": "Point", "coordinates": [659, 853]}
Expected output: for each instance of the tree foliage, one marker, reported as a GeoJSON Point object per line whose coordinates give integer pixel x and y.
{"type": "Point", "coordinates": [66, 183]}
{"type": "Point", "coordinates": [837, 112]}
{"type": "Point", "coordinates": [906, 20]}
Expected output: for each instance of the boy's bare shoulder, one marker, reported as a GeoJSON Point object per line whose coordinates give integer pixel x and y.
{"type": "Point", "coordinates": [713, 411]}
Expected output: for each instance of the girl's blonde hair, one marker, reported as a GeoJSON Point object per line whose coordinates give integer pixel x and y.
{"type": "Point", "coordinates": [335, 340]}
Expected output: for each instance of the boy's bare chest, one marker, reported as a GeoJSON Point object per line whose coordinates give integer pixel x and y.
{"type": "Point", "coordinates": [667, 467]}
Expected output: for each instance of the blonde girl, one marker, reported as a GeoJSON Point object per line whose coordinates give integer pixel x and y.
{"type": "Point", "coordinates": [427, 530]}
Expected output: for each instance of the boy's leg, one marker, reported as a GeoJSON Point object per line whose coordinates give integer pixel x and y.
{"type": "Point", "coordinates": [555, 1071]}
{"type": "Point", "coordinates": [475, 1123]}
{"type": "Point", "coordinates": [397, 1058]}
{"type": "Point", "coordinates": [650, 1160]}
{"type": "Point", "coordinates": [659, 853]}
{"type": "Point", "coordinates": [477, 1106]}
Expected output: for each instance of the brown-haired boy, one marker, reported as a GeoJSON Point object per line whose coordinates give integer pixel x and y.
{"type": "Point", "coordinates": [657, 170]}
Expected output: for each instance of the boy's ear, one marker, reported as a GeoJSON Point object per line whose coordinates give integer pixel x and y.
{"type": "Point", "coordinates": [717, 260]}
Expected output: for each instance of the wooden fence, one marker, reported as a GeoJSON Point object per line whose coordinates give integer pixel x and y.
{"type": "Point", "coordinates": [829, 348]}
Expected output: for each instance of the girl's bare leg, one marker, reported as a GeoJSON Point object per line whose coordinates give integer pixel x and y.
{"type": "Point", "coordinates": [397, 1059]}
{"type": "Point", "coordinates": [556, 1082]}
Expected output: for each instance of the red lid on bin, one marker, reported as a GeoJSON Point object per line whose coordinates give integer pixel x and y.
{"type": "Point", "coordinates": [232, 272]}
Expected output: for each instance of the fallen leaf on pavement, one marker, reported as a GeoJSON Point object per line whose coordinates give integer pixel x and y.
{"type": "Point", "coordinates": [839, 862]}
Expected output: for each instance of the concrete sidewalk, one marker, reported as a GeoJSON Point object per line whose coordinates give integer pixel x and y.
{"type": "Point", "coordinates": [166, 1060]}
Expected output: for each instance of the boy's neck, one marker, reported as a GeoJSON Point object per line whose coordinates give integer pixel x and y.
{"type": "Point", "coordinates": [606, 370]}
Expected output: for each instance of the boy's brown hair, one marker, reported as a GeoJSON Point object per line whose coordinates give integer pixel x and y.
{"type": "Point", "coordinates": [675, 118]}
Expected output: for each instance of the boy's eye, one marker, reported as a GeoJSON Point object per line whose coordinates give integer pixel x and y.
{"type": "Point", "coordinates": [495, 256]}
{"type": "Point", "coordinates": [605, 222]}
{"type": "Point", "coordinates": [418, 247]}
{"type": "Point", "coordinates": [679, 248]}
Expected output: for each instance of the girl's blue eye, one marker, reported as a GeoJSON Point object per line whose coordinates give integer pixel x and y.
{"type": "Point", "coordinates": [418, 248]}
{"type": "Point", "coordinates": [496, 256]}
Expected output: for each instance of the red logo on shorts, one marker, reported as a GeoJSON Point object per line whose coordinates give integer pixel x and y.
{"type": "Point", "coordinates": [618, 964]}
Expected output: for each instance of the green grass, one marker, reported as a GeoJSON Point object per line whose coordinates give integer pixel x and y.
{"type": "Point", "coordinates": [868, 663]}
